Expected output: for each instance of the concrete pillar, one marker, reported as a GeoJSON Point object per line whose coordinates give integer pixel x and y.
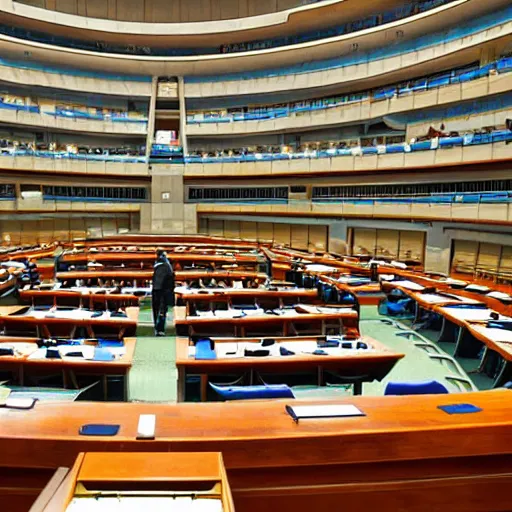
{"type": "Point", "coordinates": [338, 237]}
{"type": "Point", "coordinates": [437, 249]}
{"type": "Point", "coordinates": [183, 115]}
{"type": "Point", "coordinates": [151, 116]}
{"type": "Point", "coordinates": [488, 54]}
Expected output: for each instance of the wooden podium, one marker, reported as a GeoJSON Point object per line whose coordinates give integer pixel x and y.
{"type": "Point", "coordinates": [108, 482]}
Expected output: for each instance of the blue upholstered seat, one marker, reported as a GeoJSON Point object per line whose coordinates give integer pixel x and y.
{"type": "Point", "coordinates": [251, 392]}
{"type": "Point", "coordinates": [429, 387]}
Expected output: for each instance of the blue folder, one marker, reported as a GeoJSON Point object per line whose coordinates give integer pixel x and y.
{"type": "Point", "coordinates": [205, 349]}
{"type": "Point", "coordinates": [102, 354]}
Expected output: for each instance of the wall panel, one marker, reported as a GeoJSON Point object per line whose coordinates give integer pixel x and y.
{"type": "Point", "coordinates": [248, 230]}
{"type": "Point", "coordinates": [282, 234]}
{"type": "Point", "coordinates": [488, 257]}
{"type": "Point", "coordinates": [232, 229]}
{"type": "Point", "coordinates": [464, 256]}
{"type": "Point", "coordinates": [216, 227]}
{"type": "Point", "coordinates": [299, 236]}
{"type": "Point", "coordinates": [387, 243]}
{"type": "Point", "coordinates": [364, 241]}
{"type": "Point", "coordinates": [412, 246]}
{"type": "Point", "coordinates": [318, 238]}
{"type": "Point", "coordinates": [265, 231]}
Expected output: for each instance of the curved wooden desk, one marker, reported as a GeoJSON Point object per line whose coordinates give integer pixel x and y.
{"type": "Point", "coordinates": [342, 320]}
{"type": "Point", "coordinates": [350, 366]}
{"type": "Point", "coordinates": [405, 454]}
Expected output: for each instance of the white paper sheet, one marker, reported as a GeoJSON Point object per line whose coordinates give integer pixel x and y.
{"type": "Point", "coordinates": [409, 285]}
{"type": "Point", "coordinates": [300, 347]}
{"type": "Point", "coordinates": [143, 503]}
{"type": "Point", "coordinates": [325, 411]}
{"type": "Point", "coordinates": [87, 350]}
{"type": "Point", "coordinates": [40, 353]}
{"type": "Point", "coordinates": [228, 350]}
{"type": "Point", "coordinates": [494, 334]}
{"type": "Point", "coordinates": [320, 268]}
{"type": "Point", "coordinates": [476, 315]}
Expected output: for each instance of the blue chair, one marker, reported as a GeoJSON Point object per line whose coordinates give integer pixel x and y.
{"type": "Point", "coordinates": [398, 308]}
{"type": "Point", "coordinates": [429, 387]}
{"type": "Point", "coordinates": [252, 392]}
{"type": "Point", "coordinates": [508, 385]}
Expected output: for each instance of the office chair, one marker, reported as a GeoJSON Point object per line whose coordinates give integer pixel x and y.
{"type": "Point", "coordinates": [252, 392]}
{"type": "Point", "coordinates": [429, 387]}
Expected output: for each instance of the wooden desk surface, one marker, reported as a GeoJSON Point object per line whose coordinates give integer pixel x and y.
{"type": "Point", "coordinates": [73, 363]}
{"type": "Point", "coordinates": [394, 428]}
{"type": "Point", "coordinates": [381, 354]}
{"type": "Point", "coordinates": [462, 318]}
{"type": "Point", "coordinates": [118, 467]}
{"type": "Point", "coordinates": [139, 256]}
{"type": "Point", "coordinates": [498, 340]}
{"type": "Point", "coordinates": [9, 310]}
{"type": "Point", "coordinates": [216, 293]}
{"type": "Point", "coordinates": [180, 317]}
{"type": "Point", "coordinates": [148, 274]}
{"type": "Point", "coordinates": [132, 315]}
{"type": "Point", "coordinates": [97, 273]}
{"type": "Point", "coordinates": [405, 448]}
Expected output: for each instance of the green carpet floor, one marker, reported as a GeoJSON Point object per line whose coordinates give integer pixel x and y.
{"type": "Point", "coordinates": [153, 377]}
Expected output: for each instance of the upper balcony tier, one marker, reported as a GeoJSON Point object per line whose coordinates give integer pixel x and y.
{"type": "Point", "coordinates": [177, 11]}
{"type": "Point", "coordinates": [449, 87]}
{"type": "Point", "coordinates": [313, 21]}
{"type": "Point", "coordinates": [437, 22]}
{"type": "Point", "coordinates": [22, 72]}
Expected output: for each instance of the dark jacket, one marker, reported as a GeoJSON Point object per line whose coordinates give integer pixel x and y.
{"type": "Point", "coordinates": [163, 275]}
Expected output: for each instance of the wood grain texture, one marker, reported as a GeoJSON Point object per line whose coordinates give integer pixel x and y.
{"type": "Point", "coordinates": [404, 453]}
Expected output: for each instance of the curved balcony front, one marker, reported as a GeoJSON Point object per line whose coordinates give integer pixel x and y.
{"type": "Point", "coordinates": [498, 213]}
{"type": "Point", "coordinates": [20, 71]}
{"type": "Point", "coordinates": [439, 90]}
{"type": "Point", "coordinates": [391, 63]}
{"type": "Point", "coordinates": [408, 30]}
{"type": "Point", "coordinates": [55, 120]}
{"type": "Point", "coordinates": [441, 152]}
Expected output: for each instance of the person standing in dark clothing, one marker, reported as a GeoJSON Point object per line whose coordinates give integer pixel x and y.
{"type": "Point", "coordinates": [162, 292]}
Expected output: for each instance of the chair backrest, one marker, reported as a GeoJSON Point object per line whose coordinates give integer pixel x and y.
{"type": "Point", "coordinates": [429, 387]}
{"type": "Point", "coordinates": [252, 392]}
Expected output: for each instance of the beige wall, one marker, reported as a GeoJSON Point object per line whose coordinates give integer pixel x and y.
{"type": "Point", "coordinates": [28, 229]}
{"type": "Point", "coordinates": [312, 237]}
{"type": "Point", "coordinates": [168, 212]}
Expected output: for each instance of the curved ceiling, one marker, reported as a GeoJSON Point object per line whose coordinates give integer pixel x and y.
{"type": "Point", "coordinates": [413, 27]}
{"type": "Point", "coordinates": [164, 11]}
{"type": "Point", "coordinates": [309, 18]}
